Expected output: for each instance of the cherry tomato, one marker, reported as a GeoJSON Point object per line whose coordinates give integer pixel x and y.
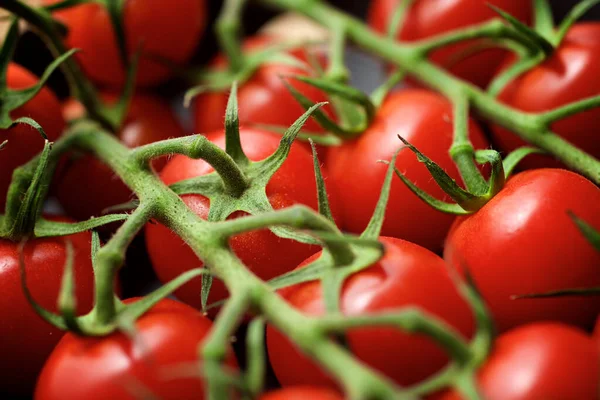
{"type": "Point", "coordinates": [264, 253]}
{"type": "Point", "coordinates": [263, 99]}
{"type": "Point", "coordinates": [113, 367]}
{"type": "Point", "coordinates": [27, 340]}
{"type": "Point", "coordinates": [407, 276]}
{"type": "Point", "coordinates": [523, 242]}
{"type": "Point", "coordinates": [540, 361]}
{"type": "Point", "coordinates": [85, 186]}
{"type": "Point", "coordinates": [171, 33]}
{"type": "Point", "coordinates": [24, 142]}
{"type": "Point", "coordinates": [302, 393]}
{"type": "Point", "coordinates": [424, 119]}
{"type": "Point", "coordinates": [568, 75]}
{"type": "Point", "coordinates": [428, 18]}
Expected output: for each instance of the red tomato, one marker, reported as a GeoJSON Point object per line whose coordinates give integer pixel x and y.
{"type": "Point", "coordinates": [264, 253]}
{"type": "Point", "coordinates": [540, 361]}
{"type": "Point", "coordinates": [407, 276]}
{"type": "Point", "coordinates": [568, 75]}
{"type": "Point", "coordinates": [524, 242]}
{"type": "Point", "coordinates": [263, 99]}
{"type": "Point", "coordinates": [302, 393]}
{"type": "Point", "coordinates": [424, 119]}
{"type": "Point", "coordinates": [428, 18]}
{"type": "Point", "coordinates": [171, 33]}
{"type": "Point", "coordinates": [85, 186]}
{"type": "Point", "coordinates": [113, 367]}
{"type": "Point", "coordinates": [597, 333]}
{"type": "Point", "coordinates": [25, 142]}
{"type": "Point", "coordinates": [27, 340]}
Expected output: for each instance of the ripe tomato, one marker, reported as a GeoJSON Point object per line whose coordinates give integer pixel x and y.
{"type": "Point", "coordinates": [407, 276]}
{"type": "Point", "coordinates": [85, 186]}
{"type": "Point", "coordinates": [24, 142]}
{"type": "Point", "coordinates": [264, 253]}
{"type": "Point", "coordinates": [263, 99]}
{"type": "Point", "coordinates": [540, 361]}
{"type": "Point", "coordinates": [424, 119]}
{"type": "Point", "coordinates": [27, 340]}
{"type": "Point", "coordinates": [524, 242]}
{"type": "Point", "coordinates": [114, 367]}
{"type": "Point", "coordinates": [428, 18]}
{"type": "Point", "coordinates": [171, 33]}
{"type": "Point", "coordinates": [302, 393]}
{"type": "Point", "coordinates": [597, 333]}
{"type": "Point", "coordinates": [568, 75]}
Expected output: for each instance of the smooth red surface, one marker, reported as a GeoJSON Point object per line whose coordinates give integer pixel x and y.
{"type": "Point", "coordinates": [425, 120]}
{"type": "Point", "coordinates": [524, 242]}
{"type": "Point", "coordinates": [169, 32]}
{"type": "Point", "coordinates": [263, 99]}
{"type": "Point", "coordinates": [264, 253]}
{"type": "Point", "coordinates": [428, 18]}
{"type": "Point", "coordinates": [24, 142]}
{"type": "Point", "coordinates": [302, 393]}
{"type": "Point", "coordinates": [568, 75]}
{"type": "Point", "coordinates": [114, 367]}
{"type": "Point", "coordinates": [27, 340]}
{"type": "Point", "coordinates": [540, 361]}
{"type": "Point", "coordinates": [85, 186]}
{"type": "Point", "coordinates": [407, 276]}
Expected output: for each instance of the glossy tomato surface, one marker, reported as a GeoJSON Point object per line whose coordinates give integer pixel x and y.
{"type": "Point", "coordinates": [85, 186]}
{"type": "Point", "coordinates": [524, 242]}
{"type": "Point", "coordinates": [302, 393]}
{"type": "Point", "coordinates": [568, 75]}
{"type": "Point", "coordinates": [540, 361]}
{"type": "Point", "coordinates": [114, 367]}
{"type": "Point", "coordinates": [24, 142]}
{"type": "Point", "coordinates": [264, 253]}
{"type": "Point", "coordinates": [407, 276]}
{"type": "Point", "coordinates": [428, 18]}
{"type": "Point", "coordinates": [169, 32]}
{"type": "Point", "coordinates": [264, 98]}
{"type": "Point", "coordinates": [27, 340]}
{"type": "Point", "coordinates": [425, 120]}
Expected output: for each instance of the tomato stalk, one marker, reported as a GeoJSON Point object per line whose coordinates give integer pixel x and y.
{"type": "Point", "coordinates": [227, 28]}
{"type": "Point", "coordinates": [411, 58]}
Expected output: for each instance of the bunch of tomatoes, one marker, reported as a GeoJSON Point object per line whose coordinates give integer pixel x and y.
{"type": "Point", "coordinates": [528, 239]}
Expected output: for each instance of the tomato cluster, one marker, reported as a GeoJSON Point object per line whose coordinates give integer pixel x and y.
{"type": "Point", "coordinates": [524, 241]}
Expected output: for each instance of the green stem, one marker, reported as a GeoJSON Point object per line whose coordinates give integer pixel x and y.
{"type": "Point", "coordinates": [110, 258]}
{"type": "Point", "coordinates": [410, 58]}
{"type": "Point", "coordinates": [299, 217]}
{"type": "Point", "coordinates": [410, 320]}
{"type": "Point", "coordinates": [214, 350]}
{"type": "Point", "coordinates": [462, 151]}
{"type": "Point", "coordinates": [570, 109]}
{"type": "Point", "coordinates": [337, 70]}
{"type": "Point", "coordinates": [227, 28]}
{"type": "Point", "coordinates": [83, 88]}
{"type": "Point", "coordinates": [198, 146]}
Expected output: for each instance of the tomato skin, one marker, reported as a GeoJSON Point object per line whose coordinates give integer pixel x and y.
{"type": "Point", "coordinates": [407, 276]}
{"type": "Point", "coordinates": [302, 393]}
{"type": "Point", "coordinates": [424, 119]}
{"type": "Point", "coordinates": [427, 18]}
{"type": "Point", "coordinates": [85, 186]}
{"type": "Point", "coordinates": [24, 142]}
{"type": "Point", "coordinates": [568, 75]}
{"type": "Point", "coordinates": [540, 361]}
{"type": "Point", "coordinates": [169, 32]}
{"type": "Point", "coordinates": [264, 253]}
{"type": "Point", "coordinates": [597, 333]}
{"type": "Point", "coordinates": [171, 334]}
{"type": "Point", "coordinates": [263, 99]}
{"type": "Point", "coordinates": [27, 340]}
{"type": "Point", "coordinates": [524, 242]}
